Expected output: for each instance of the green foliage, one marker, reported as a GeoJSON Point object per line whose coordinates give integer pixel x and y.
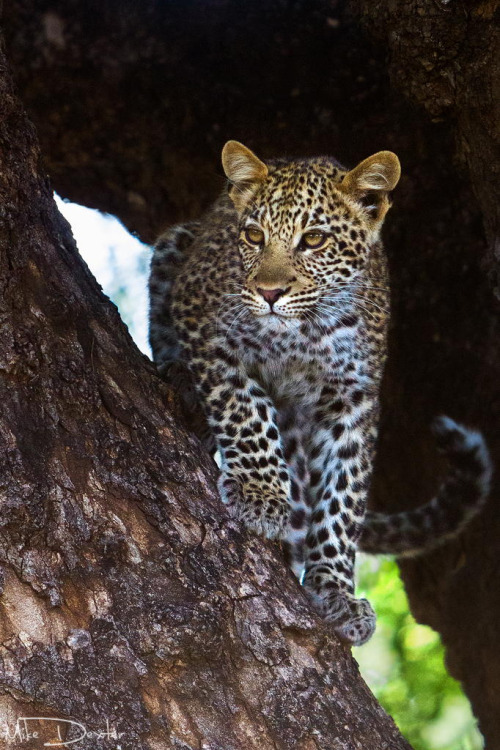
{"type": "Point", "coordinates": [404, 666]}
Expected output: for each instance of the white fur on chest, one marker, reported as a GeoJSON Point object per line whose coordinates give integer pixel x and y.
{"type": "Point", "coordinates": [292, 366]}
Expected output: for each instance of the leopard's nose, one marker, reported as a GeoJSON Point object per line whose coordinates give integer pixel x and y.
{"type": "Point", "coordinates": [272, 295]}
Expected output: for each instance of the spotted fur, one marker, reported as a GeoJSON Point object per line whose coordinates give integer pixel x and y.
{"type": "Point", "coordinates": [275, 307]}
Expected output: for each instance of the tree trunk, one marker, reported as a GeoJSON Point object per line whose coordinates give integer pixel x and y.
{"type": "Point", "coordinates": [133, 103]}
{"type": "Point", "coordinates": [444, 57]}
{"type": "Point", "coordinates": [134, 613]}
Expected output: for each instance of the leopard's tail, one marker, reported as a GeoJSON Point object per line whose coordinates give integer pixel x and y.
{"type": "Point", "coordinates": [461, 496]}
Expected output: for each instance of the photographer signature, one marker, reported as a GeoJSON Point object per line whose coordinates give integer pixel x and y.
{"type": "Point", "coordinates": [27, 729]}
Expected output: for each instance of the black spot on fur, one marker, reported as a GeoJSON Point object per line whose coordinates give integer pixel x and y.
{"type": "Point", "coordinates": [341, 481]}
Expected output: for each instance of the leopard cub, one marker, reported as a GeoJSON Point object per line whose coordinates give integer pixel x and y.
{"type": "Point", "coordinates": [276, 306]}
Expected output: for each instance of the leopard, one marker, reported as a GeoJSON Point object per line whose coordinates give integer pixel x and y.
{"type": "Point", "coordinates": [271, 315]}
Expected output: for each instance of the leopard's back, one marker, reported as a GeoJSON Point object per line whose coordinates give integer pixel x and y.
{"type": "Point", "coordinates": [170, 253]}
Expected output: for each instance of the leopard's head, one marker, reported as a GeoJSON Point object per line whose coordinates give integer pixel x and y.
{"type": "Point", "coordinates": [306, 227]}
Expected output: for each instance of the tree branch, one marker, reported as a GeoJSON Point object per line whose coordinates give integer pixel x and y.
{"type": "Point", "coordinates": [131, 604]}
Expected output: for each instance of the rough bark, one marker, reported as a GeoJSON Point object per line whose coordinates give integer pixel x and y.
{"type": "Point", "coordinates": [133, 104]}
{"type": "Point", "coordinates": [131, 605]}
{"type": "Point", "coordinates": [444, 57]}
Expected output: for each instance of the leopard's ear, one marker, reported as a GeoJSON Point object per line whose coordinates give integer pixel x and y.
{"type": "Point", "coordinates": [243, 170]}
{"type": "Point", "coordinates": [370, 182]}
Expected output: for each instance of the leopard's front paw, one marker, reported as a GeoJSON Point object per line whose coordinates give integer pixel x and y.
{"type": "Point", "coordinates": [260, 509]}
{"type": "Point", "coordinates": [353, 619]}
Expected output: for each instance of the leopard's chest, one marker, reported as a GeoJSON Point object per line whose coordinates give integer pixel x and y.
{"type": "Point", "coordinates": [293, 363]}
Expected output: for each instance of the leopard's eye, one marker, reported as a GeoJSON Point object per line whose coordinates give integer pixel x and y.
{"type": "Point", "coordinates": [313, 240]}
{"type": "Point", "coordinates": [254, 236]}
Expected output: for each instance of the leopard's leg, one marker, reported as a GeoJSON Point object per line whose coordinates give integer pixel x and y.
{"type": "Point", "coordinates": [292, 423]}
{"type": "Point", "coordinates": [340, 458]}
{"type": "Point", "coordinates": [254, 482]}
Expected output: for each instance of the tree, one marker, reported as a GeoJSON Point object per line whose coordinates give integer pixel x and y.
{"type": "Point", "coordinates": [132, 103]}
{"type": "Point", "coordinates": [443, 57]}
{"type": "Point", "coordinates": [134, 613]}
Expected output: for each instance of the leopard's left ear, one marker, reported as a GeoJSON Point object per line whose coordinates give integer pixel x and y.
{"type": "Point", "coordinates": [370, 182]}
{"type": "Point", "coordinates": [243, 170]}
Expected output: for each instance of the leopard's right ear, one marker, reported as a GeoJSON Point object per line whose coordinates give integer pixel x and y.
{"type": "Point", "coordinates": [244, 172]}
{"type": "Point", "coordinates": [371, 182]}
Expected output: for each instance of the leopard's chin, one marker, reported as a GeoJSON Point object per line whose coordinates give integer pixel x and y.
{"type": "Point", "coordinates": [278, 321]}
